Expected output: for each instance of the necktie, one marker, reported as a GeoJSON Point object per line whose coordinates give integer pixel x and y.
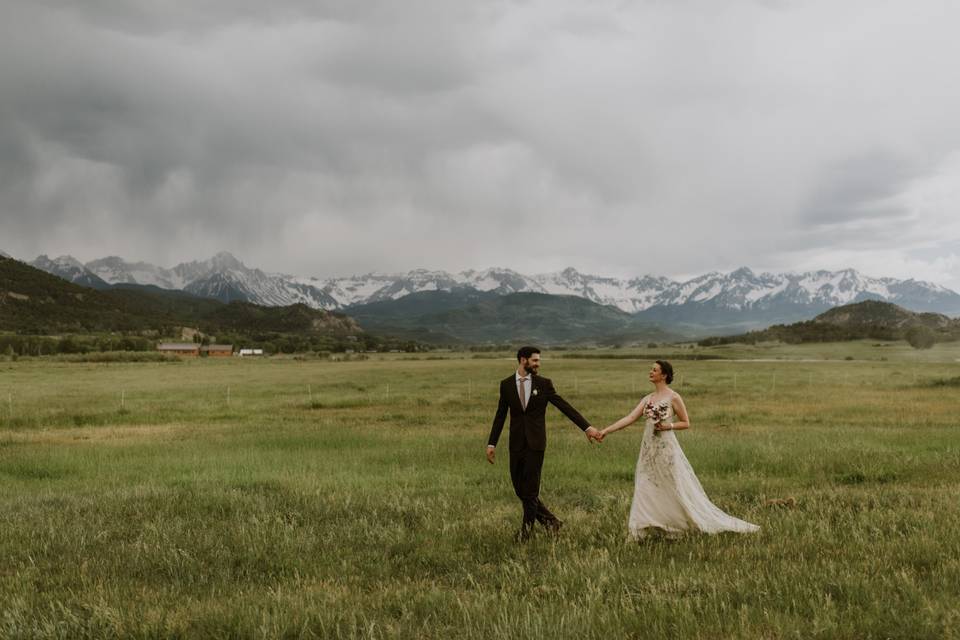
{"type": "Point", "coordinates": [522, 391]}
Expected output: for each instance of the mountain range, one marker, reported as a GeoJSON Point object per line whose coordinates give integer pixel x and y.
{"type": "Point", "coordinates": [714, 302]}
{"type": "Point", "coordinates": [36, 303]}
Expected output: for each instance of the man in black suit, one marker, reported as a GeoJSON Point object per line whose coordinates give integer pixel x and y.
{"type": "Point", "coordinates": [526, 395]}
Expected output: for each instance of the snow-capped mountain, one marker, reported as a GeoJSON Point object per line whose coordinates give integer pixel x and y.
{"type": "Point", "coordinates": [628, 295]}
{"type": "Point", "coordinates": [711, 298]}
{"type": "Point", "coordinates": [253, 285]}
{"type": "Point", "coordinates": [226, 278]}
{"type": "Point", "coordinates": [744, 290]}
{"type": "Point", "coordinates": [70, 269]}
{"type": "Point", "coordinates": [114, 270]}
{"type": "Point", "coordinates": [740, 290]}
{"type": "Point", "coordinates": [501, 281]}
{"type": "Point", "coordinates": [745, 300]}
{"type": "Point", "coordinates": [222, 277]}
{"type": "Point", "coordinates": [376, 287]}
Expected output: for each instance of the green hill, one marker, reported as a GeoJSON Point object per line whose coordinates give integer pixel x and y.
{"type": "Point", "coordinates": [476, 318]}
{"type": "Point", "coordinates": [870, 319]}
{"type": "Point", "coordinates": [873, 314]}
{"type": "Point", "coordinates": [297, 318]}
{"type": "Point", "coordinates": [37, 303]}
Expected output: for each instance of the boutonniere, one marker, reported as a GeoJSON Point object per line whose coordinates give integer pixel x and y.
{"type": "Point", "coordinates": [535, 392]}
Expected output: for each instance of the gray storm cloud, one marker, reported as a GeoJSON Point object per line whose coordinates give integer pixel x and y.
{"type": "Point", "coordinates": [328, 138]}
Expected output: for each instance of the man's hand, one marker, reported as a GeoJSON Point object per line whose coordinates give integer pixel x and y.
{"type": "Point", "coordinates": [592, 434]}
{"type": "Point", "coordinates": [491, 453]}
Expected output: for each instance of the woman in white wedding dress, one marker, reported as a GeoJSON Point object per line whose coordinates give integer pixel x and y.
{"type": "Point", "coordinates": [667, 495]}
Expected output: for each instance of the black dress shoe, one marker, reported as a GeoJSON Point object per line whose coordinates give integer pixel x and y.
{"type": "Point", "coordinates": [553, 526]}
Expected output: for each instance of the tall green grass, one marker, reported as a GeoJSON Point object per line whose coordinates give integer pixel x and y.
{"type": "Point", "coordinates": [314, 499]}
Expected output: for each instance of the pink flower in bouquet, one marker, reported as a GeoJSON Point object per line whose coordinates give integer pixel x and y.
{"type": "Point", "coordinates": [657, 412]}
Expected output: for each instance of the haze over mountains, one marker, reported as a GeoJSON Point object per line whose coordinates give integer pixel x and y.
{"type": "Point", "coordinates": [734, 301]}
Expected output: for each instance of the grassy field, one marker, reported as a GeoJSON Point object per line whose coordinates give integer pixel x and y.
{"type": "Point", "coordinates": [316, 499]}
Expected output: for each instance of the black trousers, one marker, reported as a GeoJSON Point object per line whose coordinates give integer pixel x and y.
{"type": "Point", "coordinates": [525, 468]}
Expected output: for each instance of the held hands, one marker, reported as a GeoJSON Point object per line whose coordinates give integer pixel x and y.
{"type": "Point", "coordinates": [592, 433]}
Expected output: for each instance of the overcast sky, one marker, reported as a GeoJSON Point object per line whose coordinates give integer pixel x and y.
{"type": "Point", "coordinates": [622, 138]}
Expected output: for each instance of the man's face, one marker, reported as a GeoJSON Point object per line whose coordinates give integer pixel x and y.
{"type": "Point", "coordinates": [531, 364]}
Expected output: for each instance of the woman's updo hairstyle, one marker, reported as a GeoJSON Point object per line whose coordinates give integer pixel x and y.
{"type": "Point", "coordinates": [667, 369]}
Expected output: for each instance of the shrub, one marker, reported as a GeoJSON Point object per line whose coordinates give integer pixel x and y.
{"type": "Point", "coordinates": [920, 337]}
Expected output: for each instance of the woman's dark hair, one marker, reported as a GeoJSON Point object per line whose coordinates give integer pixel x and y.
{"type": "Point", "coordinates": [526, 352]}
{"type": "Point", "coordinates": [666, 369]}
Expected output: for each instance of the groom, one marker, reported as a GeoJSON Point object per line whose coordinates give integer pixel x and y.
{"type": "Point", "coordinates": [526, 396]}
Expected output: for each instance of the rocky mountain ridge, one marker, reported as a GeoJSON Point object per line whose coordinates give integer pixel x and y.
{"type": "Point", "coordinates": [738, 297]}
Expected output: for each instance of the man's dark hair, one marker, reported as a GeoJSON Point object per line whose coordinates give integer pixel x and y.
{"type": "Point", "coordinates": [666, 369]}
{"type": "Point", "coordinates": [526, 352]}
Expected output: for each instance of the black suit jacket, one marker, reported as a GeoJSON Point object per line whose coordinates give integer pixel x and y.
{"type": "Point", "coordinates": [528, 429]}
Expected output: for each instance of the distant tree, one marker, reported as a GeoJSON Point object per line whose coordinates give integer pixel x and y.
{"type": "Point", "coordinates": [69, 345]}
{"type": "Point", "coordinates": [921, 337]}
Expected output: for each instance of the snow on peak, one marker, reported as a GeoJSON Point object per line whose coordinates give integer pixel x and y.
{"type": "Point", "coordinates": [741, 289]}
{"type": "Point", "coordinates": [225, 260]}
{"type": "Point", "coordinates": [60, 262]}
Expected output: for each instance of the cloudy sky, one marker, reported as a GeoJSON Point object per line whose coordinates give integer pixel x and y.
{"type": "Point", "coordinates": [330, 137]}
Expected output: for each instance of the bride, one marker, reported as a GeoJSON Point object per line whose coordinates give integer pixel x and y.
{"type": "Point", "coordinates": [667, 495]}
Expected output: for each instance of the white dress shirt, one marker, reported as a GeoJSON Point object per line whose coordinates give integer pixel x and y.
{"type": "Point", "coordinates": [527, 387]}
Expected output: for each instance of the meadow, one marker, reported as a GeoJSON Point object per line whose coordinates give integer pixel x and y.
{"type": "Point", "coordinates": [307, 498]}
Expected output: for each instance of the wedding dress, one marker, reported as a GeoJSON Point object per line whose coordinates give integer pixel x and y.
{"type": "Point", "coordinates": [667, 494]}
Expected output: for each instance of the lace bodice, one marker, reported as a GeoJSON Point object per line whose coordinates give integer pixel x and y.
{"type": "Point", "coordinates": [656, 449]}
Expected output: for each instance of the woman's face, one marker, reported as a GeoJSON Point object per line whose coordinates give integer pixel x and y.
{"type": "Point", "coordinates": [655, 375]}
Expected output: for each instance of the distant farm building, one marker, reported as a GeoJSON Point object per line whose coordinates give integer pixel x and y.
{"type": "Point", "coordinates": [217, 350]}
{"type": "Point", "coordinates": [250, 352]}
{"type": "Point", "coordinates": [190, 349]}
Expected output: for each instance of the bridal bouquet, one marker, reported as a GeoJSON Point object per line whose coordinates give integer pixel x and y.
{"type": "Point", "coordinates": [657, 412]}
